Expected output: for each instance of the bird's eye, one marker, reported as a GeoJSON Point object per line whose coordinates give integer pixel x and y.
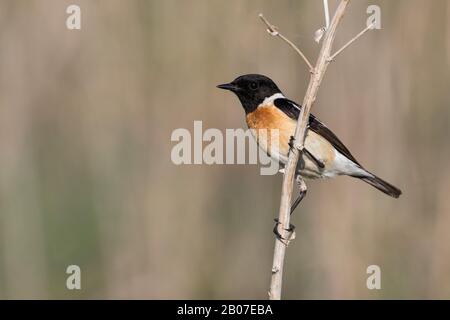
{"type": "Point", "coordinates": [254, 85]}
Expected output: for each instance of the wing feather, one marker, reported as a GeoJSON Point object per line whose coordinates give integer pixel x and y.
{"type": "Point", "coordinates": [292, 110]}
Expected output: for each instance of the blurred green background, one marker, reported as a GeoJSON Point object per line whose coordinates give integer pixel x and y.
{"type": "Point", "coordinates": [85, 171]}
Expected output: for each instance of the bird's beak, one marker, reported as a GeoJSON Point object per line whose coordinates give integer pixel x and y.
{"type": "Point", "coordinates": [228, 86]}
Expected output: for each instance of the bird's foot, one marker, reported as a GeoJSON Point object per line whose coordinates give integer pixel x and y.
{"type": "Point", "coordinates": [290, 230]}
{"type": "Point", "coordinates": [291, 142]}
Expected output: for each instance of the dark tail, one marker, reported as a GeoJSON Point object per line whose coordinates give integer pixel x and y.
{"type": "Point", "coordinates": [382, 185]}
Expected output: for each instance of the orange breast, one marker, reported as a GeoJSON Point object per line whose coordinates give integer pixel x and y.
{"type": "Point", "coordinates": [267, 121]}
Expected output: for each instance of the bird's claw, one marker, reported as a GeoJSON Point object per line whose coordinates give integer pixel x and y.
{"type": "Point", "coordinates": [278, 235]}
{"type": "Point", "coordinates": [291, 142]}
{"type": "Point", "coordinates": [292, 145]}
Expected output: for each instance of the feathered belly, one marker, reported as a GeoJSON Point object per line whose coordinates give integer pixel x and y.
{"type": "Point", "coordinates": [272, 130]}
{"type": "Point", "coordinates": [316, 145]}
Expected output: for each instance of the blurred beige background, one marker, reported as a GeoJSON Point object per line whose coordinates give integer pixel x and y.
{"type": "Point", "coordinates": [85, 170]}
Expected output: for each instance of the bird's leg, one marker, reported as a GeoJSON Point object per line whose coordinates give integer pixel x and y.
{"type": "Point", "coordinates": [318, 162]}
{"type": "Point", "coordinates": [291, 229]}
{"type": "Point", "coordinates": [302, 194]}
{"type": "Point", "coordinates": [297, 201]}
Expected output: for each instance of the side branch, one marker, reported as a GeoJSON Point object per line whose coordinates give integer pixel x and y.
{"type": "Point", "coordinates": [274, 32]}
{"type": "Point", "coordinates": [369, 27]}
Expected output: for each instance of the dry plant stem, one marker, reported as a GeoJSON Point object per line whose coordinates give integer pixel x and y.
{"type": "Point", "coordinates": [327, 13]}
{"type": "Point", "coordinates": [369, 27]}
{"type": "Point", "coordinates": [288, 179]}
{"type": "Point", "coordinates": [274, 32]}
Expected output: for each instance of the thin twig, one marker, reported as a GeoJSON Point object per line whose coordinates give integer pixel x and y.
{"type": "Point", "coordinates": [290, 169]}
{"type": "Point", "coordinates": [327, 13]}
{"type": "Point", "coordinates": [369, 27]}
{"type": "Point", "coordinates": [274, 32]}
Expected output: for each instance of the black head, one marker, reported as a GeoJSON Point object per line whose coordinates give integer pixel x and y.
{"type": "Point", "coordinates": [251, 90]}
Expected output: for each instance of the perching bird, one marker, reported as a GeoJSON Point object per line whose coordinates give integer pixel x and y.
{"type": "Point", "coordinates": [324, 156]}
